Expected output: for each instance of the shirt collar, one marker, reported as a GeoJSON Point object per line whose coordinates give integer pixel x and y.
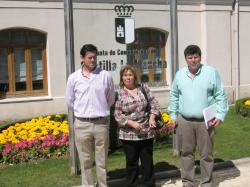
{"type": "Point", "coordinates": [197, 73]}
{"type": "Point", "coordinates": [95, 71]}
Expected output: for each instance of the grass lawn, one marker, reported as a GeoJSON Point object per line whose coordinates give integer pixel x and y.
{"type": "Point", "coordinates": [232, 138]}
{"type": "Point", "coordinates": [231, 142]}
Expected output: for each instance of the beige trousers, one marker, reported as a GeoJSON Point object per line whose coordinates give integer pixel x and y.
{"type": "Point", "coordinates": [92, 141]}
{"type": "Point", "coordinates": [192, 133]}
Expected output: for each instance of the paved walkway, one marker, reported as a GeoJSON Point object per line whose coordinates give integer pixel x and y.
{"type": "Point", "coordinates": [228, 174]}
{"type": "Point", "coordinates": [234, 173]}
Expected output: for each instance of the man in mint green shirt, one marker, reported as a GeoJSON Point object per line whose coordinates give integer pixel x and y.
{"type": "Point", "coordinates": [194, 88]}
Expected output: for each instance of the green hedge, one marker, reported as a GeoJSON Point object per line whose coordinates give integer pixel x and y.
{"type": "Point", "coordinates": [6, 124]}
{"type": "Point", "coordinates": [241, 108]}
{"type": "Point", "coordinates": [114, 142]}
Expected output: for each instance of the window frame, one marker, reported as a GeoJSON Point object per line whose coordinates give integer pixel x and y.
{"type": "Point", "coordinates": [148, 45]}
{"type": "Point", "coordinates": [27, 56]}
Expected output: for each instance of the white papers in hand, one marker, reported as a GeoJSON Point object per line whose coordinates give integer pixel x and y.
{"type": "Point", "coordinates": [209, 113]}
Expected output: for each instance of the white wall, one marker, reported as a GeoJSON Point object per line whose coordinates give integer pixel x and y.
{"type": "Point", "coordinates": [244, 39]}
{"type": "Point", "coordinates": [48, 20]}
{"type": "Point", "coordinates": [210, 27]}
{"type": "Point", "coordinates": [189, 28]}
{"type": "Point", "coordinates": [97, 26]}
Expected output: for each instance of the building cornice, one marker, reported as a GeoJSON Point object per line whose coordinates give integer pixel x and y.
{"type": "Point", "coordinates": [243, 3]}
{"type": "Point", "coordinates": [163, 2]}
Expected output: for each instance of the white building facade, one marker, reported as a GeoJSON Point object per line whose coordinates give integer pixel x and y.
{"type": "Point", "coordinates": [32, 47]}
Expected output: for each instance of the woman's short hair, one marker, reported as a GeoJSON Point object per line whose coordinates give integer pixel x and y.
{"type": "Point", "coordinates": [123, 70]}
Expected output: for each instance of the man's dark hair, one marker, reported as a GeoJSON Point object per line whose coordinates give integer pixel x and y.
{"type": "Point", "coordinates": [192, 49]}
{"type": "Point", "coordinates": [88, 48]}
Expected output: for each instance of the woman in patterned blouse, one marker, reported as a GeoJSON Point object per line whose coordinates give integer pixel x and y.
{"type": "Point", "coordinates": [136, 129]}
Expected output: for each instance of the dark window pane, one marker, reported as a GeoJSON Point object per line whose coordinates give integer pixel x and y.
{"type": "Point", "coordinates": [37, 84]}
{"type": "Point", "coordinates": [144, 78]}
{"type": "Point", "coordinates": [4, 82]}
{"type": "Point", "coordinates": [4, 38]}
{"type": "Point", "coordinates": [150, 37]}
{"type": "Point", "coordinates": [20, 69]}
{"type": "Point", "coordinates": [18, 37]}
{"type": "Point", "coordinates": [157, 77]}
{"type": "Point", "coordinates": [37, 68]}
{"type": "Point", "coordinates": [4, 87]}
{"type": "Point", "coordinates": [36, 38]}
{"type": "Point", "coordinates": [146, 55]}
{"type": "Point", "coordinates": [20, 86]}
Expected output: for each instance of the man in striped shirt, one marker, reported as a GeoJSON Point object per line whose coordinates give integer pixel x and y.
{"type": "Point", "coordinates": [90, 93]}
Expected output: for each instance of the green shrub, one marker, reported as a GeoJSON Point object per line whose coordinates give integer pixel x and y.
{"type": "Point", "coordinates": [114, 142]}
{"type": "Point", "coordinates": [241, 108]}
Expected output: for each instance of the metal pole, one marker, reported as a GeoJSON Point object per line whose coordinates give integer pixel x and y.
{"type": "Point", "coordinates": [174, 60]}
{"type": "Point", "coordinates": [237, 56]}
{"type": "Point", "coordinates": [70, 68]}
{"type": "Point", "coordinates": [174, 38]}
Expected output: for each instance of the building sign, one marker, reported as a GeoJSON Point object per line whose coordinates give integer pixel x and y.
{"type": "Point", "coordinates": [124, 25]}
{"type": "Point", "coordinates": [108, 64]}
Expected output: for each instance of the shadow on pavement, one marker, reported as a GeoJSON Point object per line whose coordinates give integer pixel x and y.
{"type": "Point", "coordinates": [117, 177]}
{"type": "Point", "coordinates": [164, 166]}
{"type": "Point", "coordinates": [117, 174]}
{"type": "Point", "coordinates": [223, 170]}
{"type": "Point", "coordinates": [159, 168]}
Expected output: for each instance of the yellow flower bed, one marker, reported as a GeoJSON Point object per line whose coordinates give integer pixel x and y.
{"type": "Point", "coordinates": [35, 128]}
{"type": "Point", "coordinates": [166, 117]}
{"type": "Point", "coordinates": [247, 103]}
{"type": "Point", "coordinates": [164, 133]}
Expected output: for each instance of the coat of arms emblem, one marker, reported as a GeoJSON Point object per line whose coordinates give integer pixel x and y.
{"type": "Point", "coordinates": [124, 24]}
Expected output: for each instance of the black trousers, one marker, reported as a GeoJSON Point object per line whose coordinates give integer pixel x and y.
{"type": "Point", "coordinates": [143, 150]}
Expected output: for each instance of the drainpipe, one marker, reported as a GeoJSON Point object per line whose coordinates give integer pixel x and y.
{"type": "Point", "coordinates": [237, 56]}
{"type": "Point", "coordinates": [70, 68]}
{"type": "Point", "coordinates": [174, 61]}
{"type": "Point", "coordinates": [174, 38]}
